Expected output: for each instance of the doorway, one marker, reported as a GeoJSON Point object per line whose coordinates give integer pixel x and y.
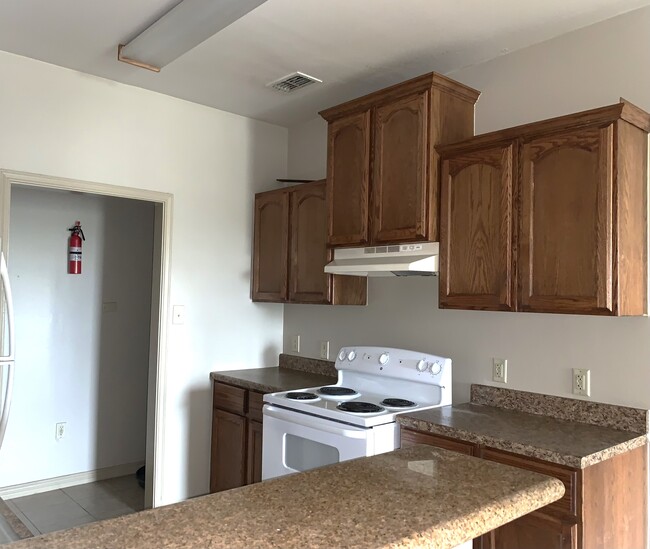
{"type": "Point", "coordinates": [162, 207]}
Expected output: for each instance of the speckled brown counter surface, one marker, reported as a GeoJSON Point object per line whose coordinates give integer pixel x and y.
{"type": "Point", "coordinates": [293, 373]}
{"type": "Point", "coordinates": [14, 522]}
{"type": "Point", "coordinates": [567, 443]}
{"type": "Point", "coordinates": [415, 497]}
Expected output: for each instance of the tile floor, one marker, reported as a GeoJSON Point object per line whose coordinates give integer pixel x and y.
{"type": "Point", "coordinates": [76, 505]}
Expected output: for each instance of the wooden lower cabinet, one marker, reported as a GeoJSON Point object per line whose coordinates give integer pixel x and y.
{"type": "Point", "coordinates": [254, 466]}
{"type": "Point", "coordinates": [534, 531]}
{"type": "Point", "coordinates": [236, 449]}
{"type": "Point", "coordinates": [605, 506]}
{"type": "Point", "coordinates": [228, 451]}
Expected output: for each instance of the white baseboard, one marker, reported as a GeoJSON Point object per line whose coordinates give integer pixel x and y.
{"type": "Point", "coordinates": [45, 485]}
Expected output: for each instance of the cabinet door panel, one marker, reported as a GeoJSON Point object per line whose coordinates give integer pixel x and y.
{"type": "Point", "coordinates": [228, 453]}
{"type": "Point", "coordinates": [254, 458]}
{"type": "Point", "coordinates": [308, 283]}
{"type": "Point", "coordinates": [400, 185]}
{"type": "Point", "coordinates": [532, 532]}
{"type": "Point", "coordinates": [270, 253]}
{"type": "Point", "coordinates": [348, 173]}
{"type": "Point", "coordinates": [476, 230]}
{"type": "Point", "coordinates": [566, 223]}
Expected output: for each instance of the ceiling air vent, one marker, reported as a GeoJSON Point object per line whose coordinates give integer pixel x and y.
{"type": "Point", "coordinates": [293, 81]}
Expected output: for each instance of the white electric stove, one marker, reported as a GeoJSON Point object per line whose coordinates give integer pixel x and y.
{"type": "Point", "coordinates": [319, 426]}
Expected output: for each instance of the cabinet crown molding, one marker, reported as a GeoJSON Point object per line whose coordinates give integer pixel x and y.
{"type": "Point", "coordinates": [420, 83]}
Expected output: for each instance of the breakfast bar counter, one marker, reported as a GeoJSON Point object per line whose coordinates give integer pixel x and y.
{"type": "Point", "coordinates": [414, 497]}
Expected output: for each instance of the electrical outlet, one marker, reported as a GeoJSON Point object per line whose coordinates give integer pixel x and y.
{"type": "Point", "coordinates": [500, 370]}
{"type": "Point", "coordinates": [325, 349]}
{"type": "Point", "coordinates": [295, 344]}
{"type": "Point", "coordinates": [60, 431]}
{"type": "Point", "coordinates": [581, 382]}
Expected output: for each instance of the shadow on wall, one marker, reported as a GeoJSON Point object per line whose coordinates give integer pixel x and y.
{"type": "Point", "coordinates": [199, 416]}
{"type": "Point", "coordinates": [124, 332]}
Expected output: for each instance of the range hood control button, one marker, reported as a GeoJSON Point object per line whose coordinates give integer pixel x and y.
{"type": "Point", "coordinates": [384, 358]}
{"type": "Point", "coordinates": [436, 368]}
{"type": "Point", "coordinates": [342, 354]}
{"type": "Point", "coordinates": [352, 355]}
{"type": "Point", "coordinates": [421, 366]}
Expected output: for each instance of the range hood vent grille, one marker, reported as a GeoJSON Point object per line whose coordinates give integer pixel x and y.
{"type": "Point", "coordinates": [293, 81]}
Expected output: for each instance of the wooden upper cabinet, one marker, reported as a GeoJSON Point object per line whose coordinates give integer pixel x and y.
{"type": "Point", "coordinates": [382, 168]}
{"type": "Point", "coordinates": [270, 246]}
{"type": "Point", "coordinates": [308, 283]}
{"type": "Point", "coordinates": [348, 177]}
{"type": "Point", "coordinates": [400, 178]}
{"type": "Point", "coordinates": [578, 219]}
{"type": "Point", "coordinates": [566, 222]}
{"type": "Point", "coordinates": [476, 229]}
{"type": "Point", "coordinates": [290, 250]}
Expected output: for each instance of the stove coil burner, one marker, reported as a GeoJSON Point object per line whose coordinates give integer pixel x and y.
{"type": "Point", "coordinates": [398, 403]}
{"type": "Point", "coordinates": [335, 390]}
{"type": "Point", "coordinates": [301, 395]}
{"type": "Point", "coordinates": [360, 407]}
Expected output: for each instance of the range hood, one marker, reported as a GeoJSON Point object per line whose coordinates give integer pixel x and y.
{"type": "Point", "coordinates": [417, 259]}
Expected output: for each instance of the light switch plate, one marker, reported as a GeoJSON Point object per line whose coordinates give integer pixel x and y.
{"type": "Point", "coordinates": [178, 314]}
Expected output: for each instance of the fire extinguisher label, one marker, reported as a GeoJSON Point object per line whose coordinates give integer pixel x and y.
{"type": "Point", "coordinates": [75, 254]}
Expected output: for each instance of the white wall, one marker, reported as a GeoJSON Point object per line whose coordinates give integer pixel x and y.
{"type": "Point", "coordinates": [584, 69]}
{"type": "Point", "coordinates": [64, 123]}
{"type": "Point", "coordinates": [75, 364]}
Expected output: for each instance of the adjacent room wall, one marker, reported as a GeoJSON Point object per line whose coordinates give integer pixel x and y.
{"type": "Point", "coordinates": [63, 123]}
{"type": "Point", "coordinates": [587, 68]}
{"type": "Point", "coordinates": [75, 363]}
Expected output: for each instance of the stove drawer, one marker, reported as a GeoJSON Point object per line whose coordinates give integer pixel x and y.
{"type": "Point", "coordinates": [229, 398]}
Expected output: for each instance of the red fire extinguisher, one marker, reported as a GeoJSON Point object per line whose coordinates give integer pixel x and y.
{"type": "Point", "coordinates": [74, 249]}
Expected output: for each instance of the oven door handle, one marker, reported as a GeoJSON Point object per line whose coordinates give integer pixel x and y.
{"type": "Point", "coordinates": [304, 420]}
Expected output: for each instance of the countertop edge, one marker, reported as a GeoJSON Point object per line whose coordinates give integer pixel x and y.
{"type": "Point", "coordinates": [518, 448]}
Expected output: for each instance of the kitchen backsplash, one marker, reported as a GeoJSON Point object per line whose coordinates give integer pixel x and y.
{"type": "Point", "coordinates": [305, 364]}
{"type": "Point", "coordinates": [622, 418]}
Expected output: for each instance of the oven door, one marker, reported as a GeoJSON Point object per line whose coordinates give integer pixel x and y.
{"type": "Point", "coordinates": [294, 442]}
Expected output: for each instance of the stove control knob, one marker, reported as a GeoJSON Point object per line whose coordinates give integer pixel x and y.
{"type": "Point", "coordinates": [352, 355]}
{"type": "Point", "coordinates": [342, 354]}
{"type": "Point", "coordinates": [435, 368]}
{"type": "Point", "coordinates": [421, 366]}
{"type": "Point", "coordinates": [384, 358]}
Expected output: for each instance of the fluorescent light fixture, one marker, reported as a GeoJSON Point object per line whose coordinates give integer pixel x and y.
{"type": "Point", "coordinates": [182, 28]}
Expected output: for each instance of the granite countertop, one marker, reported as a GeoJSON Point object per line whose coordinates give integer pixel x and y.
{"type": "Point", "coordinates": [414, 497]}
{"type": "Point", "coordinates": [271, 380]}
{"type": "Point", "coordinates": [292, 373]}
{"type": "Point", "coordinates": [564, 442]}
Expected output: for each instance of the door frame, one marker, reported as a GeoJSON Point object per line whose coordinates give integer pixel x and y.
{"type": "Point", "coordinates": [156, 389]}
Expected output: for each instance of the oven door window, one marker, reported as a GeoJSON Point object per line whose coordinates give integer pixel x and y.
{"type": "Point", "coordinates": [302, 454]}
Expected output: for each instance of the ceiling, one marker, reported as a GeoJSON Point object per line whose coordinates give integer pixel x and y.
{"type": "Point", "coordinates": [354, 46]}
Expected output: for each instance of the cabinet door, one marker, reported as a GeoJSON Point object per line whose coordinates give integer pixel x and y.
{"type": "Point", "coordinates": [270, 247]}
{"type": "Point", "coordinates": [565, 245]}
{"type": "Point", "coordinates": [348, 173]}
{"type": "Point", "coordinates": [400, 184]}
{"type": "Point", "coordinates": [532, 531]}
{"type": "Point", "coordinates": [476, 230]}
{"type": "Point", "coordinates": [308, 283]}
{"type": "Point", "coordinates": [228, 453]}
{"type": "Point", "coordinates": [254, 457]}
